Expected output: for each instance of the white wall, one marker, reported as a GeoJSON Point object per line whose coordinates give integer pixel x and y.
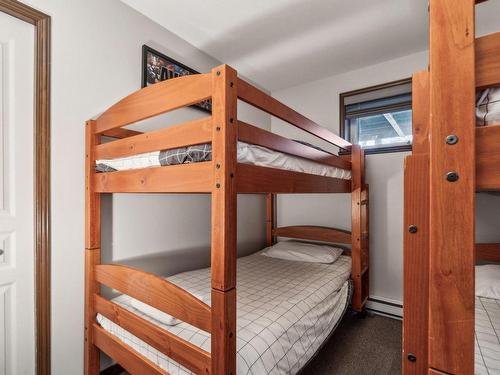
{"type": "Point", "coordinates": [96, 60]}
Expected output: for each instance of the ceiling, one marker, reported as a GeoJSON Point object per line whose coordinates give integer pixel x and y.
{"type": "Point", "coordinates": [283, 43]}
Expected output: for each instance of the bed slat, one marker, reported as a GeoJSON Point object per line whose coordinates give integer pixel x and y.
{"type": "Point", "coordinates": [189, 133]}
{"type": "Point", "coordinates": [488, 157]}
{"type": "Point", "coordinates": [156, 292]}
{"type": "Point", "coordinates": [487, 61]}
{"type": "Point", "coordinates": [315, 233]}
{"type": "Point", "coordinates": [488, 252]}
{"type": "Point", "coordinates": [182, 351]}
{"type": "Point", "coordinates": [267, 103]}
{"type": "Point", "coordinates": [183, 178]}
{"type": "Point", "coordinates": [131, 360]}
{"type": "Point", "coordinates": [255, 179]}
{"type": "Point", "coordinates": [254, 135]}
{"type": "Point", "coordinates": [156, 99]}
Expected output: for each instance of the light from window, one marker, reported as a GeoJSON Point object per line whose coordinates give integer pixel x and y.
{"type": "Point", "coordinates": [379, 119]}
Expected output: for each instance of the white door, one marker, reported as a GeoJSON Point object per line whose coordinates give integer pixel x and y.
{"type": "Point", "coordinates": [17, 340]}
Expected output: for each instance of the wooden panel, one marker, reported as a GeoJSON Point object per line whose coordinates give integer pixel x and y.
{"type": "Point", "coordinates": [267, 103]}
{"type": "Point", "coordinates": [357, 159]}
{"type": "Point", "coordinates": [156, 99]}
{"type": "Point", "coordinates": [156, 292]}
{"type": "Point", "coordinates": [316, 233]}
{"type": "Point", "coordinates": [92, 251]}
{"type": "Point", "coordinates": [120, 133]}
{"type": "Point", "coordinates": [487, 62]}
{"type": "Point", "coordinates": [92, 199]}
{"type": "Point", "coordinates": [181, 351]}
{"type": "Point", "coordinates": [488, 252]}
{"type": "Point", "coordinates": [190, 133]}
{"type": "Point", "coordinates": [223, 256]}
{"type": "Point", "coordinates": [91, 353]}
{"type": "Point", "coordinates": [224, 332]}
{"type": "Point", "coordinates": [416, 264]}
{"type": "Point", "coordinates": [255, 179]}
{"type": "Point", "coordinates": [223, 245]}
{"type": "Point", "coordinates": [184, 178]}
{"type": "Point", "coordinates": [452, 204]}
{"type": "Point", "coordinates": [270, 218]}
{"type": "Point", "coordinates": [488, 157]}
{"type": "Point", "coordinates": [421, 112]}
{"type": "Point", "coordinates": [128, 358]}
{"type": "Point", "coordinates": [254, 135]}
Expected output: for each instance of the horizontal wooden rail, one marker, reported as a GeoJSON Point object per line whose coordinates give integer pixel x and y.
{"type": "Point", "coordinates": [181, 351]}
{"type": "Point", "coordinates": [258, 98]}
{"type": "Point", "coordinates": [189, 133]}
{"type": "Point", "coordinates": [257, 136]}
{"type": "Point", "coordinates": [255, 179]}
{"type": "Point", "coordinates": [487, 61]}
{"type": "Point", "coordinates": [488, 252]}
{"type": "Point", "coordinates": [156, 292]}
{"type": "Point", "coordinates": [120, 133]}
{"type": "Point", "coordinates": [128, 358]}
{"type": "Point", "coordinates": [488, 157]}
{"type": "Point", "coordinates": [315, 233]}
{"type": "Point", "coordinates": [156, 99]}
{"type": "Point", "coordinates": [183, 178]}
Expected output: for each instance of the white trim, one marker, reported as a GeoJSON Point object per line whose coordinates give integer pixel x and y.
{"type": "Point", "coordinates": [382, 306]}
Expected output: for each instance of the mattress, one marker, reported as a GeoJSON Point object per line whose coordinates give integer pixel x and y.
{"type": "Point", "coordinates": [247, 154]}
{"type": "Point", "coordinates": [487, 335]}
{"type": "Point", "coordinates": [285, 311]}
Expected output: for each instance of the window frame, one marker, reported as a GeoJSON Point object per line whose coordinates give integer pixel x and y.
{"type": "Point", "coordinates": [342, 114]}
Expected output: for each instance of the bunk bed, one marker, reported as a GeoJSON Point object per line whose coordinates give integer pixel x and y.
{"type": "Point", "coordinates": [452, 159]}
{"type": "Point", "coordinates": [223, 175]}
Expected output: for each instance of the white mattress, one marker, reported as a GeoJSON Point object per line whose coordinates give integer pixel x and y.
{"type": "Point", "coordinates": [487, 345]}
{"type": "Point", "coordinates": [247, 154]}
{"type": "Point", "coordinates": [286, 310]}
{"type": "Point", "coordinates": [488, 107]}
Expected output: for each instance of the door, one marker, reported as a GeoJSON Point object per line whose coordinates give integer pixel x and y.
{"type": "Point", "coordinates": [17, 316]}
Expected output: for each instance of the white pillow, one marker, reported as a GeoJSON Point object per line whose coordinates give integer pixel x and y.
{"type": "Point", "coordinates": [304, 252]}
{"type": "Point", "coordinates": [159, 315]}
{"type": "Point", "coordinates": [488, 281]}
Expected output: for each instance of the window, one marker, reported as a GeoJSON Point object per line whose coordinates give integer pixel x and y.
{"type": "Point", "coordinates": [378, 118]}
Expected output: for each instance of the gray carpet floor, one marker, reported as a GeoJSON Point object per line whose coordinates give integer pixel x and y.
{"type": "Point", "coordinates": [361, 346]}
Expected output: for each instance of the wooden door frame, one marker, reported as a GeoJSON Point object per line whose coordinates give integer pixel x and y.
{"type": "Point", "coordinates": [41, 23]}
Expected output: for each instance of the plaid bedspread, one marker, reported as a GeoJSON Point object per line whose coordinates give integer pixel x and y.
{"type": "Point", "coordinates": [286, 310]}
{"type": "Point", "coordinates": [487, 346]}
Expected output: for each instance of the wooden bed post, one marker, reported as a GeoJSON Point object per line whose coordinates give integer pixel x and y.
{"type": "Point", "coordinates": [452, 186]}
{"type": "Point", "coordinates": [359, 230]}
{"type": "Point", "coordinates": [224, 141]}
{"type": "Point", "coordinates": [416, 235]}
{"type": "Point", "coordinates": [270, 218]}
{"type": "Point", "coordinates": [92, 248]}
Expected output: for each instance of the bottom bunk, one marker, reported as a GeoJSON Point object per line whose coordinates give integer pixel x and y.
{"type": "Point", "coordinates": [286, 309]}
{"type": "Point", "coordinates": [487, 320]}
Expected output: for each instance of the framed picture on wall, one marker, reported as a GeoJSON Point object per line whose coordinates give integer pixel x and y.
{"type": "Point", "coordinates": [157, 67]}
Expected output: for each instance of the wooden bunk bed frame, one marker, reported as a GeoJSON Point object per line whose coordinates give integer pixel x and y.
{"type": "Point", "coordinates": [223, 178]}
{"type": "Point", "coordinates": [452, 159]}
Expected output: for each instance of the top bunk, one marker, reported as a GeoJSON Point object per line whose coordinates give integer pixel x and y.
{"type": "Point", "coordinates": [300, 167]}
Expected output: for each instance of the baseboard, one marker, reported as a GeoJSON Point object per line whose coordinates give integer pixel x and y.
{"type": "Point", "coordinates": [385, 306]}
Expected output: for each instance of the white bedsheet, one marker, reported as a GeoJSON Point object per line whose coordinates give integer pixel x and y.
{"type": "Point", "coordinates": [286, 309]}
{"type": "Point", "coordinates": [247, 154]}
{"type": "Point", "coordinates": [487, 345]}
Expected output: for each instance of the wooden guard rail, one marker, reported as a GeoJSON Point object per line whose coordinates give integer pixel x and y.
{"type": "Point", "coordinates": [489, 252]}
{"type": "Point", "coordinates": [162, 295]}
{"type": "Point", "coordinates": [156, 292]}
{"type": "Point", "coordinates": [315, 233]}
